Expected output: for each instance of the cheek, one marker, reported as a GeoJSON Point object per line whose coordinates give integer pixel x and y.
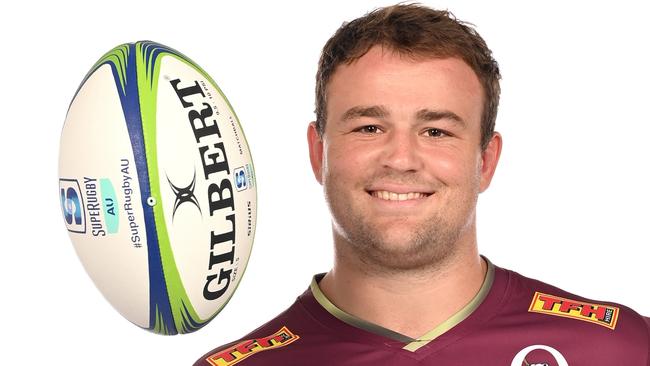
{"type": "Point", "coordinates": [453, 168]}
{"type": "Point", "coordinates": [346, 161]}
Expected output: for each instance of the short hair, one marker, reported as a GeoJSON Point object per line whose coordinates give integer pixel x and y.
{"type": "Point", "coordinates": [418, 32]}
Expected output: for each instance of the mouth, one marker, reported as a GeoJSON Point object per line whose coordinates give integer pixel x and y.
{"type": "Point", "coordinates": [394, 196]}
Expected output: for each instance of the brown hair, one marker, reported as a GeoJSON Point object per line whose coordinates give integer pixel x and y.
{"type": "Point", "coordinates": [416, 31]}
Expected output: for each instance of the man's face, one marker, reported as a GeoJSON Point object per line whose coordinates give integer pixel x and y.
{"type": "Point", "coordinates": [400, 157]}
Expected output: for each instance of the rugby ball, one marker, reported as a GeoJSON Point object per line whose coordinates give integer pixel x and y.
{"type": "Point", "coordinates": [157, 187]}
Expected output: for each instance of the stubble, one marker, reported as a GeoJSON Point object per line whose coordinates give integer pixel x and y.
{"type": "Point", "coordinates": [424, 247]}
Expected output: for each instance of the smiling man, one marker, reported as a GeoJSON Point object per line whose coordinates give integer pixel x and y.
{"type": "Point", "coordinates": [404, 142]}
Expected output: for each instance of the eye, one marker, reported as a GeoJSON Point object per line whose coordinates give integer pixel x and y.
{"type": "Point", "coordinates": [435, 132]}
{"type": "Point", "coordinates": [370, 129]}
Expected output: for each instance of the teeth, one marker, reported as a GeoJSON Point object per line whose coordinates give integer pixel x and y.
{"type": "Point", "coordinates": [392, 196]}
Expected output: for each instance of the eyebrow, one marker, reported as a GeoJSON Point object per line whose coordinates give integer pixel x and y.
{"type": "Point", "coordinates": [428, 115]}
{"type": "Point", "coordinates": [375, 111]}
{"type": "Point", "coordinates": [423, 115]}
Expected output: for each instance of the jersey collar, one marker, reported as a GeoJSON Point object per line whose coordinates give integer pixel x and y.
{"type": "Point", "coordinates": [411, 344]}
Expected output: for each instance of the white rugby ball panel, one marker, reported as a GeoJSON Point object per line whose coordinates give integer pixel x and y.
{"type": "Point", "coordinates": [96, 149]}
{"type": "Point", "coordinates": [194, 188]}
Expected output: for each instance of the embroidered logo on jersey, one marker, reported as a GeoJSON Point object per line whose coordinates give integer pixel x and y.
{"type": "Point", "coordinates": [247, 348]}
{"type": "Point", "coordinates": [539, 355]}
{"type": "Point", "coordinates": [604, 315]}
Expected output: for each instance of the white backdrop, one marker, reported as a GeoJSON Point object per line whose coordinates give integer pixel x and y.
{"type": "Point", "coordinates": [569, 203]}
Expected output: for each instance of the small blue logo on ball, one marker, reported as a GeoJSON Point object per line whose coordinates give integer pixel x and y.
{"type": "Point", "coordinates": [72, 205]}
{"type": "Point", "coordinates": [240, 179]}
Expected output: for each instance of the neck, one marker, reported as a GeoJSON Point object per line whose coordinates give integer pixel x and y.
{"type": "Point", "coordinates": [407, 302]}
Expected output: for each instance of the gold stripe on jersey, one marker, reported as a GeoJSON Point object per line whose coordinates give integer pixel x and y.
{"type": "Point", "coordinates": [411, 344]}
{"type": "Point", "coordinates": [459, 316]}
{"type": "Point", "coordinates": [353, 320]}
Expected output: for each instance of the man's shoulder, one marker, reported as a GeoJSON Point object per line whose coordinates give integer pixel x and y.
{"type": "Point", "coordinates": [276, 334]}
{"type": "Point", "coordinates": [549, 306]}
{"type": "Point", "coordinates": [258, 341]}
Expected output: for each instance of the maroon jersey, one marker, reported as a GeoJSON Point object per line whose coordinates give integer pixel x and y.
{"type": "Point", "coordinates": [513, 320]}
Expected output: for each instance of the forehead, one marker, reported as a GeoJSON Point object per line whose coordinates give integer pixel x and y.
{"type": "Point", "coordinates": [404, 85]}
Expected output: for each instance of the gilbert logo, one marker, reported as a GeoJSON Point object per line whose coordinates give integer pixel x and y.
{"type": "Point", "coordinates": [184, 194]}
{"type": "Point", "coordinates": [247, 348]}
{"type": "Point", "coordinates": [604, 315]}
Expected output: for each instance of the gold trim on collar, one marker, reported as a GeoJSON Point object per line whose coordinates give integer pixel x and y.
{"type": "Point", "coordinates": [459, 316]}
{"type": "Point", "coordinates": [412, 344]}
{"type": "Point", "coordinates": [353, 320]}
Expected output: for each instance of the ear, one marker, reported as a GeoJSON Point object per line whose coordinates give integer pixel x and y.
{"type": "Point", "coordinates": [489, 160]}
{"type": "Point", "coordinates": [315, 151]}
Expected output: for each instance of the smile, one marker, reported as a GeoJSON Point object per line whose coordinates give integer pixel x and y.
{"type": "Point", "coordinates": [393, 196]}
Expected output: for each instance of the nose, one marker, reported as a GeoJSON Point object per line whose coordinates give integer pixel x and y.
{"type": "Point", "coordinates": [401, 152]}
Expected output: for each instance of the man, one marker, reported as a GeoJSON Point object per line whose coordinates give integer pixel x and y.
{"type": "Point", "coordinates": [406, 103]}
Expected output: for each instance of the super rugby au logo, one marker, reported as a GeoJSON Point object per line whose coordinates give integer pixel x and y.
{"type": "Point", "coordinates": [72, 205]}
{"type": "Point", "coordinates": [240, 179]}
{"type": "Point", "coordinates": [184, 195]}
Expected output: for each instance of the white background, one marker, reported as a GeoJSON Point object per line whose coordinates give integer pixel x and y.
{"type": "Point", "coordinates": [569, 203]}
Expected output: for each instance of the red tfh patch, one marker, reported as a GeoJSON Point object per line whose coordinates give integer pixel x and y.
{"type": "Point", "coordinates": [600, 314]}
{"type": "Point", "coordinates": [247, 348]}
